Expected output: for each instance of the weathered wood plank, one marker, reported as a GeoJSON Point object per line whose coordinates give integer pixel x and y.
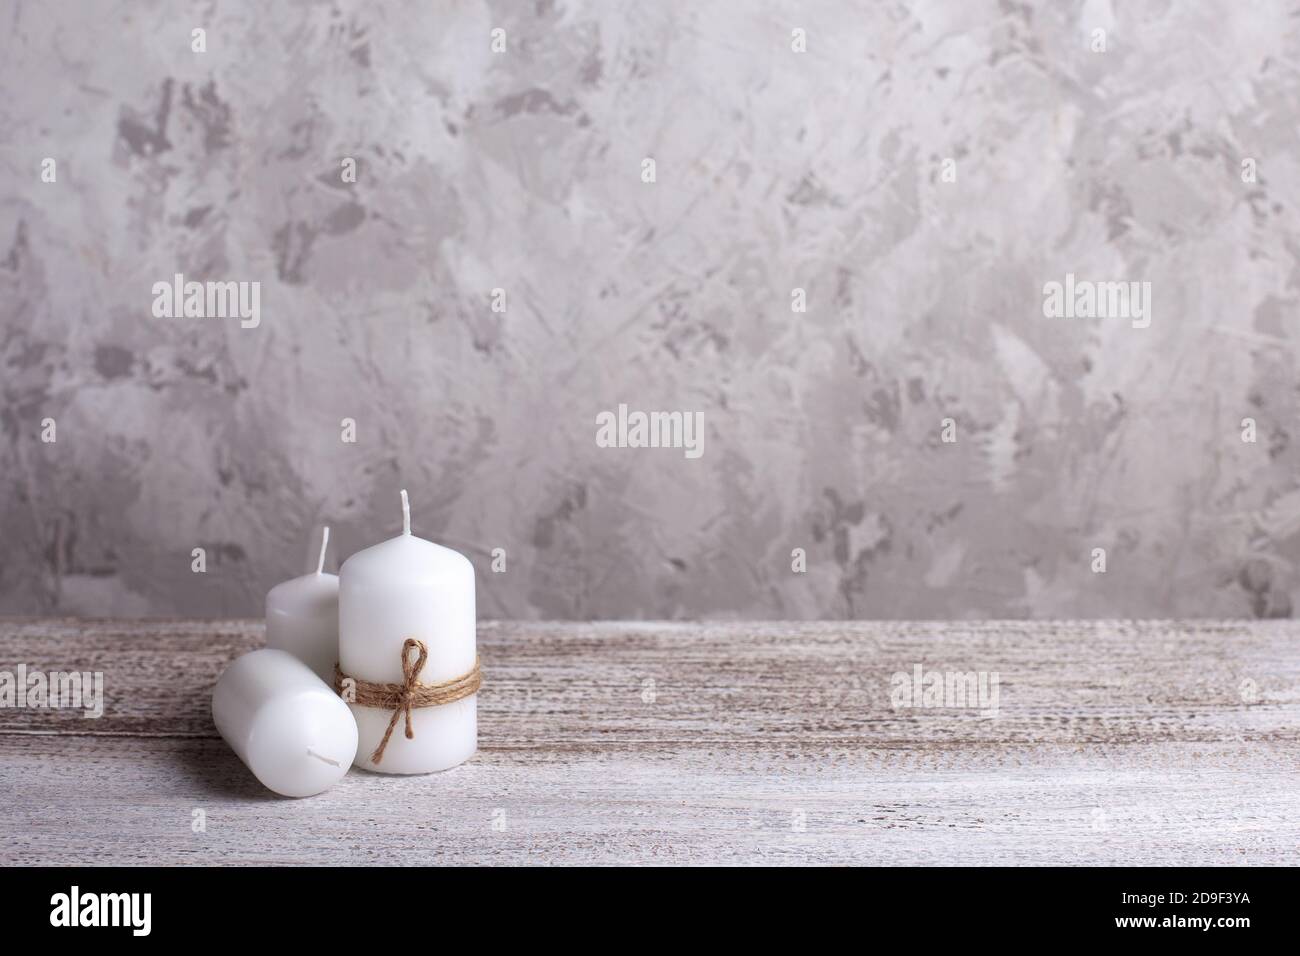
{"type": "Point", "coordinates": [549, 682]}
{"type": "Point", "coordinates": [1113, 742]}
{"type": "Point", "coordinates": [121, 800]}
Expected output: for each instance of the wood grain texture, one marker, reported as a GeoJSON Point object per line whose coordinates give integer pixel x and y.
{"type": "Point", "coordinates": [1114, 742]}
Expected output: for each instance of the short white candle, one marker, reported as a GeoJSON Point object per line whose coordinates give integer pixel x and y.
{"type": "Point", "coordinates": [402, 588]}
{"type": "Point", "coordinates": [302, 617]}
{"type": "Point", "coordinates": [288, 727]}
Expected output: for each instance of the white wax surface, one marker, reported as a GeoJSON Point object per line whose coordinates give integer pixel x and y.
{"type": "Point", "coordinates": [400, 588]}
{"type": "Point", "coordinates": [292, 731]}
{"type": "Point", "coordinates": [302, 617]}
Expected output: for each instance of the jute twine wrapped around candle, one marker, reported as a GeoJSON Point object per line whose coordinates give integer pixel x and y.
{"type": "Point", "coordinates": [400, 698]}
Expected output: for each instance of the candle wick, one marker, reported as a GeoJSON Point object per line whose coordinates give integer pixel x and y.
{"type": "Point", "coordinates": [324, 543]}
{"type": "Point", "coordinates": [406, 513]}
{"type": "Point", "coordinates": [312, 753]}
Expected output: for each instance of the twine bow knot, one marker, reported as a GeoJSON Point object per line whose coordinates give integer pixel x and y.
{"type": "Point", "coordinates": [401, 698]}
{"type": "Point", "coordinates": [410, 671]}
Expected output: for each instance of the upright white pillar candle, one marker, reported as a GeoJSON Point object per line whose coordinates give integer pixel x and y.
{"type": "Point", "coordinates": [402, 588]}
{"type": "Point", "coordinates": [288, 727]}
{"type": "Point", "coordinates": [302, 617]}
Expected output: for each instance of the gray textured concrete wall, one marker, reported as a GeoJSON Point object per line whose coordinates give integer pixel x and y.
{"type": "Point", "coordinates": [921, 172]}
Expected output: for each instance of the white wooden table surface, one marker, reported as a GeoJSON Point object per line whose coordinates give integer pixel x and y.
{"type": "Point", "coordinates": [1114, 743]}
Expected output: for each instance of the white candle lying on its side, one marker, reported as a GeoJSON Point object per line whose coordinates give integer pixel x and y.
{"type": "Point", "coordinates": [302, 617]}
{"type": "Point", "coordinates": [408, 587]}
{"type": "Point", "coordinates": [285, 724]}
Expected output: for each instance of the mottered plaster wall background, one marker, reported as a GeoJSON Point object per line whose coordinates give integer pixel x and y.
{"type": "Point", "coordinates": [775, 170]}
